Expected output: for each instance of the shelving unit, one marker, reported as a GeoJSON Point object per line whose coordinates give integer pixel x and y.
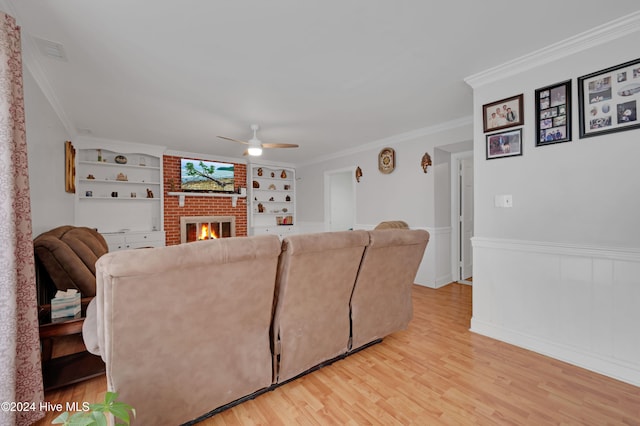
{"type": "Point", "coordinates": [273, 200]}
{"type": "Point", "coordinates": [119, 192]}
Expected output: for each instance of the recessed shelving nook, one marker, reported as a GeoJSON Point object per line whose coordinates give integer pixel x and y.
{"type": "Point", "coordinates": [273, 200]}
{"type": "Point", "coordinates": [119, 192]}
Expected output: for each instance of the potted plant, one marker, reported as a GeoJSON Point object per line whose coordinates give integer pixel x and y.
{"type": "Point", "coordinates": [97, 413]}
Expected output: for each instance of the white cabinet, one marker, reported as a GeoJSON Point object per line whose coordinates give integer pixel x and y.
{"type": "Point", "coordinates": [133, 240]}
{"type": "Point", "coordinates": [119, 191]}
{"type": "Point", "coordinates": [273, 200]}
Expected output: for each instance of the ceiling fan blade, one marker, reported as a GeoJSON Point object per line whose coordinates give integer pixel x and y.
{"type": "Point", "coordinates": [233, 140]}
{"type": "Point", "coordinates": [279, 145]}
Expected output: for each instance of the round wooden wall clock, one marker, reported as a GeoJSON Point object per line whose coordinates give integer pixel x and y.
{"type": "Point", "coordinates": [386, 160]}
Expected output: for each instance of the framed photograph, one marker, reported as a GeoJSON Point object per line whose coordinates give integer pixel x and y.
{"type": "Point", "coordinates": [553, 114]}
{"type": "Point", "coordinates": [504, 144]}
{"type": "Point", "coordinates": [503, 114]}
{"type": "Point", "coordinates": [609, 100]}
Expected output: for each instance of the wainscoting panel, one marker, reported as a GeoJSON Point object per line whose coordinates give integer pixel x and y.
{"type": "Point", "coordinates": [580, 304]}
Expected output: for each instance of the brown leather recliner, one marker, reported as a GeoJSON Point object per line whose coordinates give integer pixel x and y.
{"type": "Point", "coordinates": [68, 256]}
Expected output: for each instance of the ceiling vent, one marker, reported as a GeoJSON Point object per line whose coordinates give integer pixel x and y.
{"type": "Point", "coordinates": [51, 49]}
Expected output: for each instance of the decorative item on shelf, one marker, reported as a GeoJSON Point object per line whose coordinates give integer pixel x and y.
{"type": "Point", "coordinates": [121, 159]}
{"type": "Point", "coordinates": [271, 199]}
{"type": "Point", "coordinates": [88, 194]}
{"type": "Point", "coordinates": [288, 198]}
{"type": "Point", "coordinates": [134, 195]}
{"type": "Point", "coordinates": [260, 208]}
{"type": "Point", "coordinates": [149, 193]}
{"type": "Point", "coordinates": [287, 187]}
{"type": "Point", "coordinates": [99, 155]}
{"type": "Point", "coordinates": [286, 220]}
{"type": "Point", "coordinates": [426, 161]}
{"type": "Point", "coordinates": [142, 161]}
{"type": "Point", "coordinates": [172, 185]}
{"type": "Point", "coordinates": [285, 210]}
{"type": "Point", "coordinates": [259, 171]}
{"type": "Point", "coordinates": [283, 175]}
{"type": "Point", "coordinates": [387, 160]}
{"type": "Point", "coordinates": [256, 184]}
{"type": "Point", "coordinates": [122, 177]}
{"type": "Point", "coordinates": [272, 187]}
{"type": "Point", "coordinates": [114, 194]}
{"type": "Point", "coordinates": [90, 176]}
{"type": "Point", "coordinates": [273, 174]}
{"type": "Point", "coordinates": [358, 174]}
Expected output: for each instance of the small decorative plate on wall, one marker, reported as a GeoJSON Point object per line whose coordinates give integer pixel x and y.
{"type": "Point", "coordinates": [386, 160]}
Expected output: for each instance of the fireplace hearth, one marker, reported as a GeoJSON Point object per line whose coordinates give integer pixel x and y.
{"type": "Point", "coordinates": [197, 228]}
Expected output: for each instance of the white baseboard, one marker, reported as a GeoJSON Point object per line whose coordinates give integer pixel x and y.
{"type": "Point", "coordinates": [576, 303]}
{"type": "Point", "coordinates": [608, 367]}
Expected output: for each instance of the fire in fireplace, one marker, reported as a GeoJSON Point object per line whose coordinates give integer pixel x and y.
{"type": "Point", "coordinates": [197, 228]}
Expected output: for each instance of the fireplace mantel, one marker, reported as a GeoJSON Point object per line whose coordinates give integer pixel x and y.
{"type": "Point", "coordinates": [234, 197]}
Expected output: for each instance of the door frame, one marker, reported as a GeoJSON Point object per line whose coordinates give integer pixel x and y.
{"type": "Point", "coordinates": [455, 214]}
{"type": "Point", "coordinates": [327, 194]}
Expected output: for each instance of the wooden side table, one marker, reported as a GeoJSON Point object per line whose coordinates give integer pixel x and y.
{"type": "Point", "coordinates": [67, 369]}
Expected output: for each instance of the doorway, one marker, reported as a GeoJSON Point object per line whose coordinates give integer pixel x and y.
{"type": "Point", "coordinates": [462, 216]}
{"type": "Point", "coordinates": [339, 200]}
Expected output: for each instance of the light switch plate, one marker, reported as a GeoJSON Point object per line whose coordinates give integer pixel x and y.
{"type": "Point", "coordinates": [504, 201]}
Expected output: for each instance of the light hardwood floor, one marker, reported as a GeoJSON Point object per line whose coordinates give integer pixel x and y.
{"type": "Point", "coordinates": [435, 372]}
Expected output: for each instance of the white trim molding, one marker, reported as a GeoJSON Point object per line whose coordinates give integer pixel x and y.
{"type": "Point", "coordinates": [577, 303]}
{"type": "Point", "coordinates": [580, 42]}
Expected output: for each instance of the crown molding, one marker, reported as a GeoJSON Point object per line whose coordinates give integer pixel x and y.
{"type": "Point", "coordinates": [580, 42]}
{"type": "Point", "coordinates": [34, 66]}
{"type": "Point", "coordinates": [394, 140]}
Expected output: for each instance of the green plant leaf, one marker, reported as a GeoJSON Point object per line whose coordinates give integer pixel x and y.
{"type": "Point", "coordinates": [97, 414]}
{"type": "Point", "coordinates": [61, 419]}
{"type": "Point", "coordinates": [99, 419]}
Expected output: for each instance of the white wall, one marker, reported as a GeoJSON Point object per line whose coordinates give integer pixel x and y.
{"type": "Point", "coordinates": [406, 194]}
{"type": "Point", "coordinates": [558, 272]}
{"type": "Point", "coordinates": [51, 206]}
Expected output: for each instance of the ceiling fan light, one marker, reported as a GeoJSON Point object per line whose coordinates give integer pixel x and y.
{"type": "Point", "coordinates": [255, 151]}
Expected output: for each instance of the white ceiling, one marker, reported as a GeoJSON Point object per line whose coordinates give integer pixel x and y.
{"type": "Point", "coordinates": [329, 75]}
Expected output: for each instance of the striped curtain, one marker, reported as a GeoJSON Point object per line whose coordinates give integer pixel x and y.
{"type": "Point", "coordinates": [20, 370]}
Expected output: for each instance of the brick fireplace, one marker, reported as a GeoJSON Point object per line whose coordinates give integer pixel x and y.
{"type": "Point", "coordinates": [197, 228]}
{"type": "Point", "coordinates": [199, 206]}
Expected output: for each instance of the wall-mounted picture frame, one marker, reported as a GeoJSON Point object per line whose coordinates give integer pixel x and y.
{"type": "Point", "coordinates": [553, 114]}
{"type": "Point", "coordinates": [69, 168]}
{"type": "Point", "coordinates": [504, 144]}
{"type": "Point", "coordinates": [386, 160]}
{"type": "Point", "coordinates": [608, 100]}
{"type": "Point", "coordinates": [503, 114]}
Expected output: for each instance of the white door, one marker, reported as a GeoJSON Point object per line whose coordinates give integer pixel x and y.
{"type": "Point", "coordinates": [340, 200]}
{"type": "Point", "coordinates": [466, 218]}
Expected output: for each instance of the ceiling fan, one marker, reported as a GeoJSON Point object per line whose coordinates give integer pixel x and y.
{"type": "Point", "coordinates": [256, 146]}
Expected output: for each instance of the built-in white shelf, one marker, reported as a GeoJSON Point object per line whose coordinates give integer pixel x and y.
{"type": "Point", "coordinates": [125, 165]}
{"type": "Point", "coordinates": [182, 195]}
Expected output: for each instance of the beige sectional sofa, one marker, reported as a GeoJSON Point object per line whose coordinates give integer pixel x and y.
{"type": "Point", "coordinates": [187, 329]}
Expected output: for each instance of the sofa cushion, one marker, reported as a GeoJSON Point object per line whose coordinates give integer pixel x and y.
{"type": "Point", "coordinates": [316, 274]}
{"type": "Point", "coordinates": [184, 329]}
{"type": "Point", "coordinates": [381, 302]}
{"type": "Point", "coordinates": [68, 254]}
